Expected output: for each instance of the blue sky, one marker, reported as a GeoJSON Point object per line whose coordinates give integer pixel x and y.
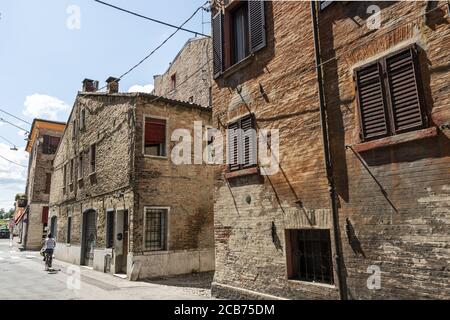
{"type": "Point", "coordinates": [42, 61]}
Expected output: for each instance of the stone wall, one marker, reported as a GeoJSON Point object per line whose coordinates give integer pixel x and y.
{"type": "Point", "coordinates": [192, 68]}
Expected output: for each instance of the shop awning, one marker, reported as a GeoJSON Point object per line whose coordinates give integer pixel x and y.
{"type": "Point", "coordinates": [18, 215]}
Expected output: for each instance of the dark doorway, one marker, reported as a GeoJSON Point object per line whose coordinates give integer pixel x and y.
{"type": "Point", "coordinates": [89, 238]}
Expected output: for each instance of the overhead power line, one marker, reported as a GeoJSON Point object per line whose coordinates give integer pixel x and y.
{"type": "Point", "coordinates": [151, 19]}
{"type": "Point", "coordinates": [3, 120]}
{"type": "Point", "coordinates": [158, 47]}
{"type": "Point", "coordinates": [15, 116]}
{"type": "Point", "coordinates": [17, 164]}
{"type": "Point", "coordinates": [11, 143]}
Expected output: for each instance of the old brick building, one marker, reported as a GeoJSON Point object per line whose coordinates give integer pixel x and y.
{"type": "Point", "coordinates": [189, 76]}
{"type": "Point", "coordinates": [42, 142]}
{"type": "Point", "coordinates": [121, 204]}
{"type": "Point", "coordinates": [359, 208]}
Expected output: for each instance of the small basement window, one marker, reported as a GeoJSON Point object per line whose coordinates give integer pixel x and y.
{"type": "Point", "coordinates": [155, 137]}
{"type": "Point", "coordinates": [309, 255]}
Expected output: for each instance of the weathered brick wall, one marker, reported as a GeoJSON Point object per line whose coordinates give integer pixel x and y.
{"type": "Point", "coordinates": [410, 243]}
{"type": "Point", "coordinates": [186, 189]}
{"type": "Point", "coordinates": [109, 124]}
{"type": "Point", "coordinates": [193, 69]}
{"type": "Point", "coordinates": [246, 254]}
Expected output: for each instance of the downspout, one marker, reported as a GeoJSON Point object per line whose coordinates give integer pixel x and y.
{"type": "Point", "coordinates": [326, 151]}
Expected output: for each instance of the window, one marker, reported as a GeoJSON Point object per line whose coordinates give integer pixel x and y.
{"type": "Point", "coordinates": [309, 255]}
{"type": "Point", "coordinates": [64, 177]}
{"type": "Point", "coordinates": [389, 96]}
{"type": "Point", "coordinates": [155, 137]}
{"type": "Point", "coordinates": [92, 158]}
{"type": "Point", "coordinates": [324, 4]}
{"type": "Point", "coordinates": [72, 168]}
{"type": "Point", "coordinates": [82, 119]}
{"type": "Point", "coordinates": [48, 182]}
{"type": "Point", "coordinates": [69, 229]}
{"type": "Point", "coordinates": [109, 229]}
{"type": "Point", "coordinates": [242, 144]}
{"type": "Point", "coordinates": [80, 166]}
{"type": "Point", "coordinates": [173, 81]}
{"type": "Point", "coordinates": [155, 229]}
{"type": "Point", "coordinates": [74, 129]}
{"type": "Point", "coordinates": [50, 144]}
{"type": "Point", "coordinates": [237, 33]}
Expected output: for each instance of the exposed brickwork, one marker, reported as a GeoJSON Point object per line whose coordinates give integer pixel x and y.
{"type": "Point", "coordinates": [192, 68]}
{"type": "Point", "coordinates": [411, 245]}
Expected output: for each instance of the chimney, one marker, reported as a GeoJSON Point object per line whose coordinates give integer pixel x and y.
{"type": "Point", "coordinates": [112, 85]}
{"type": "Point", "coordinates": [90, 85]}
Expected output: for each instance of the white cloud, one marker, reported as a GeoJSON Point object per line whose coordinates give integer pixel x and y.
{"type": "Point", "coordinates": [22, 133]}
{"type": "Point", "coordinates": [148, 88]}
{"type": "Point", "coordinates": [44, 106]}
{"type": "Point", "coordinates": [12, 177]}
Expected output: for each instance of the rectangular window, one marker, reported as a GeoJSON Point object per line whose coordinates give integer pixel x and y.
{"type": "Point", "coordinates": [389, 95]}
{"type": "Point", "coordinates": [69, 229]}
{"type": "Point", "coordinates": [239, 35]}
{"type": "Point", "coordinates": [155, 137]}
{"type": "Point", "coordinates": [173, 81]}
{"type": "Point", "coordinates": [72, 170]}
{"type": "Point", "coordinates": [93, 158]}
{"type": "Point", "coordinates": [50, 144]}
{"type": "Point", "coordinates": [74, 129]}
{"type": "Point", "coordinates": [109, 229]}
{"type": "Point", "coordinates": [308, 253]}
{"type": "Point", "coordinates": [155, 229]}
{"type": "Point", "coordinates": [48, 182]}
{"type": "Point", "coordinates": [80, 166]}
{"type": "Point", "coordinates": [82, 119]}
{"type": "Point", "coordinates": [242, 144]}
{"type": "Point", "coordinates": [65, 176]}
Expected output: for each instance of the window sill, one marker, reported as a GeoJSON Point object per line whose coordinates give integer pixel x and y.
{"type": "Point", "coordinates": [307, 283]}
{"type": "Point", "coordinates": [155, 157]}
{"type": "Point", "coordinates": [237, 66]}
{"type": "Point", "coordinates": [242, 172]}
{"type": "Point", "coordinates": [397, 139]}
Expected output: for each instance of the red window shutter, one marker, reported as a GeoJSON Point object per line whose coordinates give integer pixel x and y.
{"type": "Point", "coordinates": [404, 91]}
{"type": "Point", "coordinates": [155, 131]}
{"type": "Point", "coordinates": [372, 106]}
{"type": "Point", "coordinates": [44, 214]}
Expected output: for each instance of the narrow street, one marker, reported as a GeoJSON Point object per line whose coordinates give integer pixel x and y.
{"type": "Point", "coordinates": [22, 276]}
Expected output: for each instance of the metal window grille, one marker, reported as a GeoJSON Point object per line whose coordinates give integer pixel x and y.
{"type": "Point", "coordinates": [311, 255]}
{"type": "Point", "coordinates": [155, 229]}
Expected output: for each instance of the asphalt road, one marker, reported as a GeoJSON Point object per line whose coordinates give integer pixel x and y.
{"type": "Point", "coordinates": [22, 276]}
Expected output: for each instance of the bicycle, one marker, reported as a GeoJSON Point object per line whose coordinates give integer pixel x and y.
{"type": "Point", "coordinates": [48, 257]}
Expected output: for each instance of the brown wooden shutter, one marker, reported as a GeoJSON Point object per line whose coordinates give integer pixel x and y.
{"type": "Point", "coordinates": [257, 26]}
{"type": "Point", "coordinates": [44, 215]}
{"type": "Point", "coordinates": [248, 142]}
{"type": "Point", "coordinates": [155, 131]}
{"type": "Point", "coordinates": [217, 32]}
{"type": "Point", "coordinates": [404, 92]}
{"type": "Point", "coordinates": [233, 146]}
{"type": "Point", "coordinates": [372, 105]}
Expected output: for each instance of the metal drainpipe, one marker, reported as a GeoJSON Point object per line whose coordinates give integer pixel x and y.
{"type": "Point", "coordinates": [326, 149]}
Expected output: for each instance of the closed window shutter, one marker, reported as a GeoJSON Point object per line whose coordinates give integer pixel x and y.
{"type": "Point", "coordinates": [404, 92]}
{"type": "Point", "coordinates": [155, 131]}
{"type": "Point", "coordinates": [217, 31]}
{"type": "Point", "coordinates": [248, 142]}
{"type": "Point", "coordinates": [372, 106]}
{"type": "Point", "coordinates": [233, 146]}
{"type": "Point", "coordinates": [257, 27]}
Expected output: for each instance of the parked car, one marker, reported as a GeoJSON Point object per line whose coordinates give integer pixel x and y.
{"type": "Point", "coordinates": [4, 232]}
